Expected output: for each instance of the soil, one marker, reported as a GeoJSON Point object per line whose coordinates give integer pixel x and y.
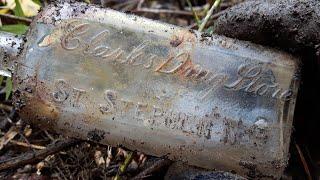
{"type": "Point", "coordinates": [290, 24]}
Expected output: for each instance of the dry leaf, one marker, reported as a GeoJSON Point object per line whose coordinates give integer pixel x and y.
{"type": "Point", "coordinates": [13, 131]}
{"type": "Point", "coordinates": [109, 157]}
{"type": "Point", "coordinates": [9, 4]}
{"type": "Point", "coordinates": [28, 7]}
{"type": "Point", "coordinates": [27, 131]}
{"type": "Point", "coordinates": [5, 73]}
{"type": "Point", "coordinates": [99, 158]}
{"type": "Point", "coordinates": [4, 11]}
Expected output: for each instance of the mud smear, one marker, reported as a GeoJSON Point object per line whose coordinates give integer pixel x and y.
{"type": "Point", "coordinates": [293, 25]}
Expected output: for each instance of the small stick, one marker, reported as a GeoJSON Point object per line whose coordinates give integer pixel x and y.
{"type": "Point", "coordinates": [13, 131]}
{"type": "Point", "coordinates": [168, 11]}
{"type": "Point", "coordinates": [6, 107]}
{"type": "Point", "coordinates": [304, 162]}
{"type": "Point", "coordinates": [31, 157]}
{"type": "Point", "coordinates": [139, 6]}
{"type": "Point", "coordinates": [194, 13]}
{"type": "Point", "coordinates": [213, 17]}
{"type": "Point", "coordinates": [48, 135]}
{"type": "Point", "coordinates": [27, 145]}
{"type": "Point", "coordinates": [217, 15]}
{"type": "Point", "coordinates": [154, 168]}
{"type": "Point", "coordinates": [206, 19]}
{"type": "Point", "coordinates": [125, 4]}
{"type": "Point", "coordinates": [16, 18]}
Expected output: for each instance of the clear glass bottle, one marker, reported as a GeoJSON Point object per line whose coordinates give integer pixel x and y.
{"type": "Point", "coordinates": [106, 76]}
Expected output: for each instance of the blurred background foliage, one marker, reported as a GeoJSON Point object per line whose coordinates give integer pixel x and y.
{"type": "Point", "coordinates": [18, 8]}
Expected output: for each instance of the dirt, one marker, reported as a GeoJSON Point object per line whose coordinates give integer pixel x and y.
{"type": "Point", "coordinates": [289, 24]}
{"type": "Point", "coordinates": [96, 135]}
{"type": "Point", "coordinates": [178, 171]}
{"type": "Point", "coordinates": [175, 42]}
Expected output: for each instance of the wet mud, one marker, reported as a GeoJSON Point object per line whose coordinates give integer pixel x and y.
{"type": "Point", "coordinates": [292, 25]}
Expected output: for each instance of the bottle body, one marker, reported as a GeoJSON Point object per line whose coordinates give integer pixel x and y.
{"type": "Point", "coordinates": [164, 90]}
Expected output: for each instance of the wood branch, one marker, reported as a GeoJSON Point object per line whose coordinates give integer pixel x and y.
{"type": "Point", "coordinates": [23, 144]}
{"type": "Point", "coordinates": [24, 19]}
{"type": "Point", "coordinates": [31, 157]}
{"type": "Point", "coordinates": [167, 11]}
{"type": "Point", "coordinates": [213, 17]}
{"type": "Point", "coordinates": [6, 107]}
{"type": "Point", "coordinates": [303, 161]}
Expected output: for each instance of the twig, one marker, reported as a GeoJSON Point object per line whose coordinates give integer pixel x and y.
{"type": "Point", "coordinates": [139, 6]}
{"type": "Point", "coordinates": [196, 17]}
{"type": "Point", "coordinates": [13, 131]}
{"type": "Point", "coordinates": [216, 16]}
{"type": "Point", "coordinates": [6, 107]}
{"type": "Point", "coordinates": [304, 162]}
{"type": "Point", "coordinates": [24, 19]}
{"type": "Point", "coordinates": [213, 17]}
{"type": "Point", "coordinates": [61, 173]}
{"type": "Point", "coordinates": [64, 174]}
{"type": "Point", "coordinates": [48, 135]}
{"type": "Point", "coordinates": [157, 166]}
{"type": "Point", "coordinates": [31, 157]}
{"type": "Point", "coordinates": [209, 13]}
{"type": "Point", "coordinates": [125, 4]}
{"type": "Point", "coordinates": [27, 145]}
{"type": "Point", "coordinates": [27, 142]}
{"type": "Point", "coordinates": [124, 166]}
{"type": "Point", "coordinates": [229, 4]}
{"type": "Point", "coordinates": [157, 11]}
{"type": "Point", "coordinates": [168, 11]}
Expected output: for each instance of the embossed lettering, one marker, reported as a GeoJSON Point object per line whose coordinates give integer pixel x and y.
{"type": "Point", "coordinates": [175, 62]}
{"type": "Point", "coordinates": [62, 92]}
{"type": "Point", "coordinates": [204, 128]}
{"type": "Point", "coordinates": [110, 97]}
{"type": "Point", "coordinates": [258, 80]}
{"type": "Point", "coordinates": [93, 46]}
{"type": "Point", "coordinates": [157, 111]}
{"type": "Point", "coordinates": [73, 35]}
{"type": "Point", "coordinates": [134, 54]}
{"type": "Point", "coordinates": [140, 108]}
{"type": "Point", "coordinates": [214, 82]}
{"type": "Point", "coordinates": [77, 93]}
{"type": "Point", "coordinates": [255, 79]}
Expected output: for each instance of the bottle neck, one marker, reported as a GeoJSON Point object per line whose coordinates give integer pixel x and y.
{"type": "Point", "coordinates": [10, 46]}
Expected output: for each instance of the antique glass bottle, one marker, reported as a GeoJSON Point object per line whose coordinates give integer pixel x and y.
{"type": "Point", "coordinates": [213, 102]}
